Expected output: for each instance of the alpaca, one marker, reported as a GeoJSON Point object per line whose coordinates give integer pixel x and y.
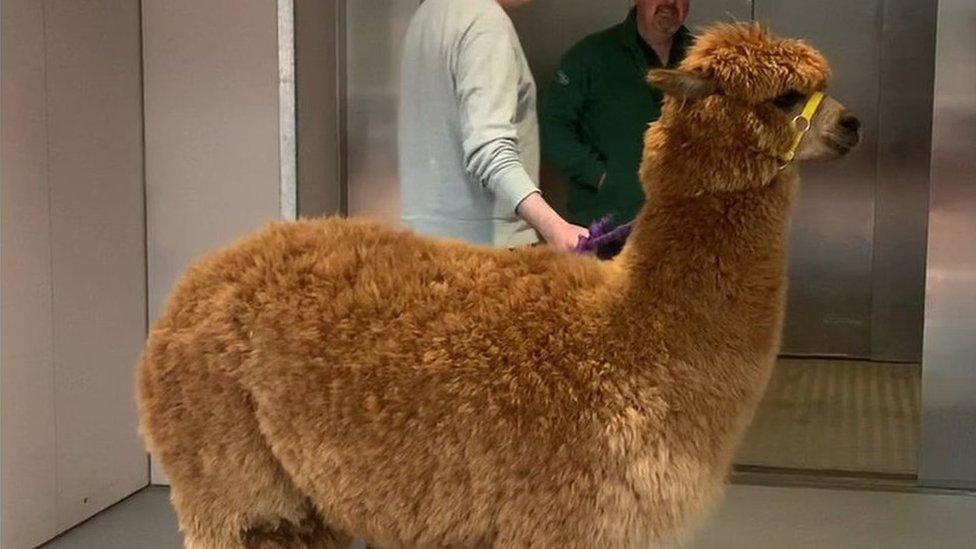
{"type": "Point", "coordinates": [328, 379]}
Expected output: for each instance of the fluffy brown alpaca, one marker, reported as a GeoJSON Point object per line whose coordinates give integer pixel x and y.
{"type": "Point", "coordinates": [333, 378]}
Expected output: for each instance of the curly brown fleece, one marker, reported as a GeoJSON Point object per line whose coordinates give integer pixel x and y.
{"type": "Point", "coordinates": [332, 378]}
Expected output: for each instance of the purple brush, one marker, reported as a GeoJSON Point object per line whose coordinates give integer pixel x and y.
{"type": "Point", "coordinates": [601, 234]}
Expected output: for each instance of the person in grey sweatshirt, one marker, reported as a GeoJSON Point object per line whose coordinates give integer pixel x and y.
{"type": "Point", "coordinates": [468, 132]}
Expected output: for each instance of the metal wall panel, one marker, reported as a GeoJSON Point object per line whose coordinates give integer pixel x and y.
{"type": "Point", "coordinates": [374, 35]}
{"type": "Point", "coordinates": [287, 140]}
{"type": "Point", "coordinates": [829, 305]}
{"type": "Point", "coordinates": [902, 192]}
{"type": "Point", "coordinates": [705, 12]}
{"type": "Point", "coordinates": [317, 82]}
{"type": "Point", "coordinates": [575, 19]}
{"type": "Point", "coordinates": [949, 368]}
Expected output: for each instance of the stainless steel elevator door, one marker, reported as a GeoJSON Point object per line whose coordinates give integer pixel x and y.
{"type": "Point", "coordinates": [374, 36]}
{"type": "Point", "coordinates": [858, 242]}
{"type": "Point", "coordinates": [829, 304]}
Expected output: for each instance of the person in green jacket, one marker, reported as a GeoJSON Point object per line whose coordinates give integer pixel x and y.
{"type": "Point", "coordinates": [599, 104]}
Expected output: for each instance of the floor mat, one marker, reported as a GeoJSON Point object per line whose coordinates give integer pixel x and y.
{"type": "Point", "coordinates": [837, 415]}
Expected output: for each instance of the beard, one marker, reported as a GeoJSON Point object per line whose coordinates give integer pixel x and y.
{"type": "Point", "coordinates": [666, 19]}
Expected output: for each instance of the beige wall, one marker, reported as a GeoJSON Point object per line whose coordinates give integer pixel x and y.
{"type": "Point", "coordinates": [211, 115]}
{"type": "Point", "coordinates": [73, 290]}
{"type": "Point", "coordinates": [28, 488]}
{"type": "Point", "coordinates": [80, 208]}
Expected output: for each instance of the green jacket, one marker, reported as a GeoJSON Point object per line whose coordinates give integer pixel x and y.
{"type": "Point", "coordinates": [594, 115]}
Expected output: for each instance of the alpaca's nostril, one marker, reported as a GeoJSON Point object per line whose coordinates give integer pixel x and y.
{"type": "Point", "coordinates": [849, 123]}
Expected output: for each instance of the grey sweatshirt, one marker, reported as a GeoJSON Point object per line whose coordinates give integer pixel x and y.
{"type": "Point", "coordinates": [468, 132]}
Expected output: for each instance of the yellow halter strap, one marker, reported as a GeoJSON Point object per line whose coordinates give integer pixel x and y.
{"type": "Point", "coordinates": [801, 124]}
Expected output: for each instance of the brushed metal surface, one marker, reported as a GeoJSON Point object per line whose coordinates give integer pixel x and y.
{"type": "Point", "coordinates": [575, 20]}
{"type": "Point", "coordinates": [948, 365]}
{"type": "Point", "coordinates": [829, 304]}
{"type": "Point", "coordinates": [902, 192]}
{"type": "Point", "coordinates": [318, 65]}
{"type": "Point", "coordinates": [287, 155]}
{"type": "Point", "coordinates": [704, 12]}
{"type": "Point", "coordinates": [374, 35]}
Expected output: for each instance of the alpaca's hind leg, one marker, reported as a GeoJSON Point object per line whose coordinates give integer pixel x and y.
{"type": "Point", "coordinates": [228, 489]}
{"type": "Point", "coordinates": [310, 534]}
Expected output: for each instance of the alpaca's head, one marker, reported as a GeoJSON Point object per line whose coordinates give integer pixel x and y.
{"type": "Point", "coordinates": [730, 116]}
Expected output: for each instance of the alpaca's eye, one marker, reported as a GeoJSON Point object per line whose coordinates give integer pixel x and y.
{"type": "Point", "coordinates": [788, 100]}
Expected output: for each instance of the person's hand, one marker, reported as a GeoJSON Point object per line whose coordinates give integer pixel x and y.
{"type": "Point", "coordinates": [565, 236]}
{"type": "Point", "coordinates": [555, 230]}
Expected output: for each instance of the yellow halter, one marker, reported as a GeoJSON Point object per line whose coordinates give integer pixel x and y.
{"type": "Point", "coordinates": [801, 124]}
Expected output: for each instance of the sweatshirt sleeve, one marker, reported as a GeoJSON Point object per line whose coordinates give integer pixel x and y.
{"type": "Point", "coordinates": [486, 72]}
{"type": "Point", "coordinates": [563, 143]}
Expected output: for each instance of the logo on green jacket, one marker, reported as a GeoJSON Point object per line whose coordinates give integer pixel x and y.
{"type": "Point", "coordinates": [562, 78]}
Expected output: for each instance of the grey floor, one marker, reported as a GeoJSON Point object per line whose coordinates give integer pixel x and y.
{"type": "Point", "coordinates": [754, 517]}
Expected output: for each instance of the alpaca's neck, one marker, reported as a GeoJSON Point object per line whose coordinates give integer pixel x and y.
{"type": "Point", "coordinates": [707, 275]}
{"type": "Point", "coordinates": [718, 250]}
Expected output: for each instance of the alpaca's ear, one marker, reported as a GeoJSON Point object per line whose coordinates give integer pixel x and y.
{"type": "Point", "coordinates": [681, 84]}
